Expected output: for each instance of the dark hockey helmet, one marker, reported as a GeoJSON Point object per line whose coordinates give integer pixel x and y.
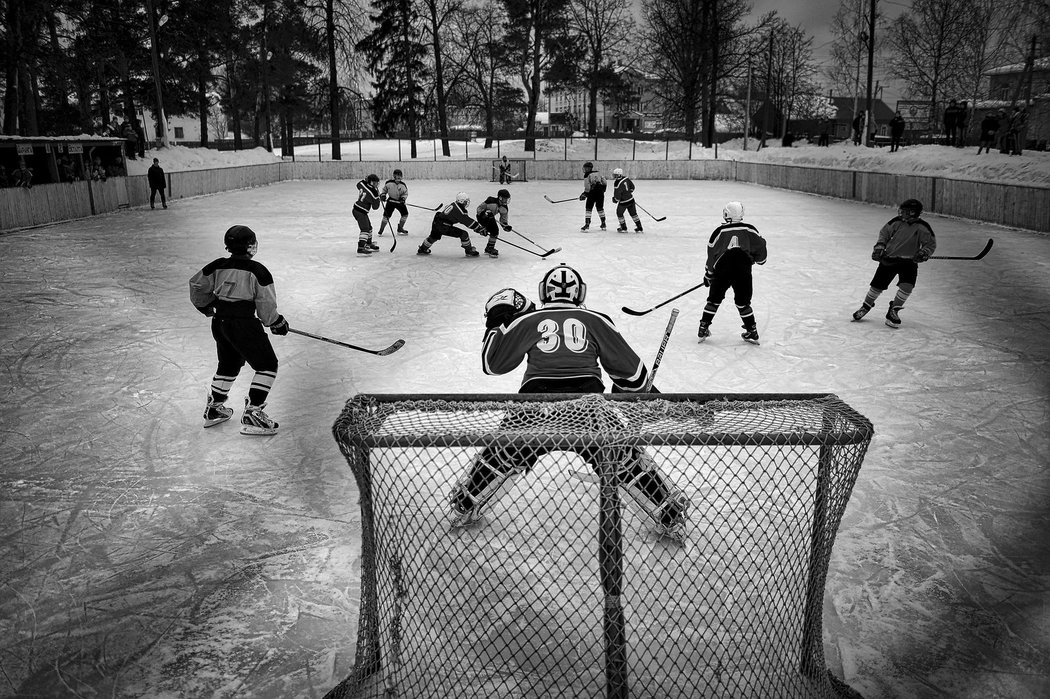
{"type": "Point", "coordinates": [563, 283]}
{"type": "Point", "coordinates": [503, 194]}
{"type": "Point", "coordinates": [588, 166]}
{"type": "Point", "coordinates": [397, 173]}
{"type": "Point", "coordinates": [910, 209]}
{"type": "Point", "coordinates": [241, 240]}
{"type": "Point", "coordinates": [372, 179]}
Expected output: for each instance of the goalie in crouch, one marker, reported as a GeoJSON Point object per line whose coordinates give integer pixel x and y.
{"type": "Point", "coordinates": [565, 346]}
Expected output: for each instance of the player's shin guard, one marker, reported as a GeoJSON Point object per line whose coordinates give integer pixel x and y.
{"type": "Point", "coordinates": [903, 292]}
{"type": "Point", "coordinates": [747, 315]}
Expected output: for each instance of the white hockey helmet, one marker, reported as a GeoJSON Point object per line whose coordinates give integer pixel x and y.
{"type": "Point", "coordinates": [462, 199]}
{"type": "Point", "coordinates": [562, 283]}
{"type": "Point", "coordinates": [733, 212]}
{"type": "Point", "coordinates": [617, 172]}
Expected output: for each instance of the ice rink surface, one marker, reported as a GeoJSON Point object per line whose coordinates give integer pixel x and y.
{"type": "Point", "coordinates": [144, 556]}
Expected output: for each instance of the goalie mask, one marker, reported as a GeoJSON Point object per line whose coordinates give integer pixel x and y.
{"type": "Point", "coordinates": [733, 212]}
{"type": "Point", "coordinates": [241, 240]}
{"type": "Point", "coordinates": [910, 209]}
{"type": "Point", "coordinates": [562, 284]}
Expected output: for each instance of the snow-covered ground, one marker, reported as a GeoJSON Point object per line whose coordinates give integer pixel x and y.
{"type": "Point", "coordinates": [1033, 167]}
{"type": "Point", "coordinates": [144, 556]}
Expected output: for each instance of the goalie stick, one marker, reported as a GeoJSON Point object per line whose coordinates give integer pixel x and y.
{"type": "Point", "coordinates": [978, 256]}
{"type": "Point", "coordinates": [632, 312]}
{"type": "Point", "coordinates": [662, 218]}
{"type": "Point", "coordinates": [559, 201]}
{"type": "Point", "coordinates": [382, 353]}
{"type": "Point", "coordinates": [660, 352]}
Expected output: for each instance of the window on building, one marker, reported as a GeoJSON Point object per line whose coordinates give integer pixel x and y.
{"type": "Point", "coordinates": [179, 131]}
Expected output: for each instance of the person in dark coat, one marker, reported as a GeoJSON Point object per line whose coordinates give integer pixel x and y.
{"type": "Point", "coordinates": [989, 131]}
{"type": "Point", "coordinates": [897, 125]}
{"type": "Point", "coordinates": [155, 175]}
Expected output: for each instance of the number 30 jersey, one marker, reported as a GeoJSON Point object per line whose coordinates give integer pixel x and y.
{"type": "Point", "coordinates": [566, 343]}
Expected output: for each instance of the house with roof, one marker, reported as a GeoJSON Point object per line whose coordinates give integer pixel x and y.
{"type": "Point", "coordinates": [1032, 90]}
{"type": "Point", "coordinates": [841, 110]}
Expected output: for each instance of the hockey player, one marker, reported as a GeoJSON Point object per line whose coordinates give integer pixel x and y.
{"type": "Point", "coordinates": [493, 214]}
{"type": "Point", "coordinates": [445, 222]}
{"type": "Point", "coordinates": [734, 247]}
{"type": "Point", "coordinates": [237, 292]}
{"type": "Point", "coordinates": [593, 194]}
{"type": "Point", "coordinates": [394, 196]}
{"type": "Point", "coordinates": [565, 347]}
{"type": "Point", "coordinates": [623, 197]}
{"type": "Point", "coordinates": [904, 242]}
{"type": "Point", "coordinates": [367, 200]}
{"type": "Point", "coordinates": [505, 175]}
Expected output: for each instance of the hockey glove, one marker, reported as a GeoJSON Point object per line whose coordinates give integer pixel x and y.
{"type": "Point", "coordinates": [504, 306]}
{"type": "Point", "coordinates": [280, 326]}
{"type": "Point", "coordinates": [207, 310]}
{"type": "Point", "coordinates": [583, 196]}
{"type": "Point", "coordinates": [707, 278]}
{"type": "Point", "coordinates": [877, 252]}
{"type": "Point", "coordinates": [922, 256]}
{"type": "Point", "coordinates": [507, 229]}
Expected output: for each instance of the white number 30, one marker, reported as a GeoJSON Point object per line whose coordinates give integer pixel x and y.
{"type": "Point", "coordinates": [572, 332]}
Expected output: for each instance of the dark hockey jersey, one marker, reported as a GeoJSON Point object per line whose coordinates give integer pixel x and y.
{"type": "Point", "coordinates": [491, 208]}
{"type": "Point", "coordinates": [236, 287]}
{"type": "Point", "coordinates": [732, 237]}
{"type": "Point", "coordinates": [367, 196]}
{"type": "Point", "coordinates": [563, 342]}
{"type": "Point", "coordinates": [445, 221]}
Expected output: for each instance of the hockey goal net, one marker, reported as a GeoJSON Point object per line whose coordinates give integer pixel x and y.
{"type": "Point", "coordinates": [518, 170]}
{"type": "Point", "coordinates": [562, 588]}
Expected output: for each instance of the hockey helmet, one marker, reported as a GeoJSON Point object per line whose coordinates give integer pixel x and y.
{"type": "Point", "coordinates": [910, 209]}
{"type": "Point", "coordinates": [588, 166]}
{"type": "Point", "coordinates": [617, 172]}
{"type": "Point", "coordinates": [241, 240]}
{"type": "Point", "coordinates": [503, 194]}
{"type": "Point", "coordinates": [373, 178]}
{"type": "Point", "coordinates": [398, 173]}
{"type": "Point", "coordinates": [462, 199]}
{"type": "Point", "coordinates": [733, 212]}
{"type": "Point", "coordinates": [562, 283]}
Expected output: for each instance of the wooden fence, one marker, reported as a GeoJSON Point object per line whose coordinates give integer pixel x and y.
{"type": "Point", "coordinates": [1017, 206]}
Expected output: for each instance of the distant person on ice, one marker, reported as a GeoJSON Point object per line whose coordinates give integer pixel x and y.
{"type": "Point", "coordinates": [905, 241]}
{"type": "Point", "coordinates": [238, 294]}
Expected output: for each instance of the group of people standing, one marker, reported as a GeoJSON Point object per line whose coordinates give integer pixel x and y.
{"type": "Point", "coordinates": [1005, 132]}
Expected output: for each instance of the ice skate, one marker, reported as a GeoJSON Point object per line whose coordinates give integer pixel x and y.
{"type": "Point", "coordinates": [585, 227]}
{"type": "Point", "coordinates": [603, 225]}
{"type": "Point", "coordinates": [622, 229]}
{"type": "Point", "coordinates": [216, 413]}
{"type": "Point", "coordinates": [423, 250]}
{"type": "Point", "coordinates": [704, 331]}
{"type": "Point", "coordinates": [363, 249]}
{"type": "Point", "coordinates": [672, 516]}
{"type": "Point", "coordinates": [750, 335]}
{"type": "Point", "coordinates": [893, 318]}
{"type": "Point", "coordinates": [491, 251]}
{"type": "Point", "coordinates": [471, 251]}
{"type": "Point", "coordinates": [402, 231]}
{"type": "Point", "coordinates": [255, 422]}
{"type": "Point", "coordinates": [861, 312]}
{"type": "Point", "coordinates": [638, 229]}
{"type": "Point", "coordinates": [371, 245]}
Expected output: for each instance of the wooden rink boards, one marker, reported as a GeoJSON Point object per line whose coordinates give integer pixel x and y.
{"type": "Point", "coordinates": [513, 605]}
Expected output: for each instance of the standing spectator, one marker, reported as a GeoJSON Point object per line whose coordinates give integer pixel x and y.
{"type": "Point", "coordinates": [155, 175]}
{"type": "Point", "coordinates": [98, 172]}
{"type": "Point", "coordinates": [825, 133]}
{"type": "Point", "coordinates": [951, 122]}
{"type": "Point", "coordinates": [623, 197]}
{"type": "Point", "coordinates": [897, 125]}
{"type": "Point", "coordinates": [238, 294]}
{"type": "Point", "coordinates": [140, 137]}
{"type": "Point", "coordinates": [873, 130]}
{"type": "Point", "coordinates": [127, 132]}
{"type": "Point", "coordinates": [1018, 130]}
{"type": "Point", "coordinates": [23, 176]}
{"type": "Point", "coordinates": [904, 242]}
{"type": "Point", "coordinates": [733, 249]}
{"type": "Point", "coordinates": [961, 121]}
{"type": "Point", "coordinates": [989, 129]}
{"type": "Point", "coordinates": [858, 127]}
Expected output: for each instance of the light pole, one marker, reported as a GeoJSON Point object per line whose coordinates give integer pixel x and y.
{"type": "Point", "coordinates": [161, 120]}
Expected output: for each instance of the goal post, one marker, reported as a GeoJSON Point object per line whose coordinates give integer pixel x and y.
{"type": "Point", "coordinates": [563, 588]}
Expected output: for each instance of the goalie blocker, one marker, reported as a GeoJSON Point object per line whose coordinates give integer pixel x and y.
{"type": "Point", "coordinates": [576, 345]}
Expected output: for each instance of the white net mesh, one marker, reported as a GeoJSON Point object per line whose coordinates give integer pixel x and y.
{"type": "Point", "coordinates": [566, 586]}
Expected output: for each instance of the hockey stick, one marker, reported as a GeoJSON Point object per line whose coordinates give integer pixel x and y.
{"type": "Point", "coordinates": [515, 232]}
{"type": "Point", "coordinates": [425, 208]}
{"type": "Point", "coordinates": [662, 218]}
{"type": "Point", "coordinates": [559, 201]}
{"type": "Point", "coordinates": [632, 312]}
{"type": "Point", "coordinates": [660, 352]}
{"type": "Point", "coordinates": [537, 254]}
{"type": "Point", "coordinates": [979, 255]}
{"type": "Point", "coordinates": [382, 353]}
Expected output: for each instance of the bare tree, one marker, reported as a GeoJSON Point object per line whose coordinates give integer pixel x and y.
{"type": "Point", "coordinates": [602, 28]}
{"type": "Point", "coordinates": [849, 49]}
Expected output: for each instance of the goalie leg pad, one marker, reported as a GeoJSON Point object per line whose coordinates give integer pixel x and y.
{"type": "Point", "coordinates": [484, 483]}
{"type": "Point", "coordinates": [647, 488]}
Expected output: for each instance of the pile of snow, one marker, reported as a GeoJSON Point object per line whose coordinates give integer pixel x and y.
{"type": "Point", "coordinates": [1032, 168]}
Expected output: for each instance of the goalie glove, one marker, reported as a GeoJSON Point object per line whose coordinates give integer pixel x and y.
{"type": "Point", "coordinates": [504, 306]}
{"type": "Point", "coordinates": [877, 252]}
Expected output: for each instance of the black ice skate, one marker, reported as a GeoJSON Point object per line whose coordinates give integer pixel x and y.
{"type": "Point", "coordinates": [255, 422]}
{"type": "Point", "coordinates": [704, 331]}
{"type": "Point", "coordinates": [215, 413]}
{"type": "Point", "coordinates": [750, 335]}
{"type": "Point", "coordinates": [893, 318]}
{"type": "Point", "coordinates": [423, 250]}
{"type": "Point", "coordinates": [491, 251]}
{"type": "Point", "coordinates": [471, 252]}
{"type": "Point", "coordinates": [362, 248]}
{"type": "Point", "coordinates": [861, 312]}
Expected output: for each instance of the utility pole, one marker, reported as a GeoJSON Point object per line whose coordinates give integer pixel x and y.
{"type": "Point", "coordinates": [765, 103]}
{"type": "Point", "coordinates": [871, 71]}
{"type": "Point", "coordinates": [747, 109]}
{"type": "Point", "coordinates": [161, 120]}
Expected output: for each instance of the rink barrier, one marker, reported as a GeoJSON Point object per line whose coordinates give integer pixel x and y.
{"type": "Point", "coordinates": [1019, 206]}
